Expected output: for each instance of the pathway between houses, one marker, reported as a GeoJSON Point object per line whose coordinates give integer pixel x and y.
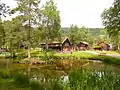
{"type": "Point", "coordinates": [114, 55]}
{"type": "Point", "coordinates": [96, 53]}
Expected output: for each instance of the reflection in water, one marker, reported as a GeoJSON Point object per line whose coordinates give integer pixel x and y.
{"type": "Point", "coordinates": [65, 79]}
{"type": "Point", "coordinates": [20, 75]}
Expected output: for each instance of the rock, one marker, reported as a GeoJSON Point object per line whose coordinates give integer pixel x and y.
{"type": "Point", "coordinates": [33, 61]}
{"type": "Point", "coordinates": [102, 54]}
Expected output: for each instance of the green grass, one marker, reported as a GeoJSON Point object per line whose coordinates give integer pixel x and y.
{"type": "Point", "coordinates": [78, 55]}
{"type": "Point", "coordinates": [84, 79]}
{"type": "Point", "coordinates": [75, 55]}
{"type": "Point", "coordinates": [83, 54]}
{"type": "Point", "coordinates": [90, 56]}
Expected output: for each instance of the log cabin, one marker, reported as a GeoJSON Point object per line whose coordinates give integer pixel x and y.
{"type": "Point", "coordinates": [64, 45]}
{"type": "Point", "coordinates": [104, 46]}
{"type": "Point", "coordinates": [82, 46]}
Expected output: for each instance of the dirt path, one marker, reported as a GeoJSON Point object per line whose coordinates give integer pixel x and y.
{"type": "Point", "coordinates": [92, 52]}
{"type": "Point", "coordinates": [112, 55]}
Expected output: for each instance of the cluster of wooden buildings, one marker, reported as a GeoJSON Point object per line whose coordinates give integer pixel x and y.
{"type": "Point", "coordinates": [65, 45]}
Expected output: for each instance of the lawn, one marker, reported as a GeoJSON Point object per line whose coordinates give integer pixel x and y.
{"type": "Point", "coordinates": [90, 56]}
{"type": "Point", "coordinates": [75, 55]}
{"type": "Point", "coordinates": [78, 55]}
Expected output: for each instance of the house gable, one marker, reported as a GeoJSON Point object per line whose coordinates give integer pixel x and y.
{"type": "Point", "coordinates": [104, 46]}
{"type": "Point", "coordinates": [59, 45]}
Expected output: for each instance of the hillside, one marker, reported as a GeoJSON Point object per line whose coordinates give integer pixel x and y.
{"type": "Point", "coordinates": [94, 31]}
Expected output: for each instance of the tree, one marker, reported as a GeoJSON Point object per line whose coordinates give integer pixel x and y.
{"type": "Point", "coordinates": [4, 9]}
{"type": "Point", "coordinates": [36, 37]}
{"type": "Point", "coordinates": [104, 36]}
{"type": "Point", "coordinates": [111, 21]}
{"type": "Point", "coordinates": [73, 34]}
{"type": "Point", "coordinates": [2, 34]}
{"type": "Point", "coordinates": [13, 35]}
{"type": "Point", "coordinates": [83, 34]}
{"type": "Point", "coordinates": [29, 9]}
{"type": "Point", "coordinates": [50, 22]}
{"type": "Point", "coordinates": [77, 34]}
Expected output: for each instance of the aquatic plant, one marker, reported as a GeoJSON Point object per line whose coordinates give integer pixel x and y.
{"type": "Point", "coordinates": [83, 79]}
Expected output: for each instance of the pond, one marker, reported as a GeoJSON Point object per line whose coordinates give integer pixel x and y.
{"type": "Point", "coordinates": [15, 76]}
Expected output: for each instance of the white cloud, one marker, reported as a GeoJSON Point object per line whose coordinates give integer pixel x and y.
{"type": "Point", "coordinates": [80, 12]}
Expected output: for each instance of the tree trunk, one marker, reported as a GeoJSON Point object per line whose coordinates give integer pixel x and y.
{"type": "Point", "coordinates": [29, 56]}
{"type": "Point", "coordinates": [29, 45]}
{"type": "Point", "coordinates": [117, 42]}
{"type": "Point", "coordinates": [46, 50]}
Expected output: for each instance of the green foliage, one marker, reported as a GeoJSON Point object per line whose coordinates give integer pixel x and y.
{"type": "Point", "coordinates": [50, 22]}
{"type": "Point", "coordinates": [111, 18]}
{"type": "Point", "coordinates": [30, 11]}
{"type": "Point", "coordinates": [20, 80]}
{"type": "Point", "coordinates": [36, 53]}
{"type": "Point", "coordinates": [2, 34]}
{"type": "Point", "coordinates": [78, 79]}
{"type": "Point", "coordinates": [77, 34]}
{"type": "Point", "coordinates": [35, 85]}
{"type": "Point", "coordinates": [4, 74]}
{"type": "Point", "coordinates": [99, 47]}
{"type": "Point", "coordinates": [103, 36]}
{"type": "Point", "coordinates": [48, 56]}
{"type": "Point", "coordinates": [89, 56]}
{"type": "Point", "coordinates": [35, 38]}
{"type": "Point", "coordinates": [72, 34]}
{"type": "Point", "coordinates": [83, 79]}
{"type": "Point", "coordinates": [13, 32]}
{"type": "Point", "coordinates": [111, 22]}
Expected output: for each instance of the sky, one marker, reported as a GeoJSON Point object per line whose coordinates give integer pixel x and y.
{"type": "Point", "coordinates": [78, 12]}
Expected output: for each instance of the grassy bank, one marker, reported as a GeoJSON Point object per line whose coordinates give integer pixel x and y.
{"type": "Point", "coordinates": [79, 79]}
{"type": "Point", "coordinates": [74, 56]}
{"type": "Point", "coordinates": [90, 56]}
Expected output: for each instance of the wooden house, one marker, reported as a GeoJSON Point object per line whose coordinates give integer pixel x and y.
{"type": "Point", "coordinates": [64, 45]}
{"type": "Point", "coordinates": [3, 50]}
{"type": "Point", "coordinates": [82, 46]}
{"type": "Point", "coordinates": [104, 46]}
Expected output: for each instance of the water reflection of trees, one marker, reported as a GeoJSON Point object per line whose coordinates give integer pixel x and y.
{"type": "Point", "coordinates": [31, 79]}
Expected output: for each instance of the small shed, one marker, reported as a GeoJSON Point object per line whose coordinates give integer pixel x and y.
{"type": "Point", "coordinates": [104, 46]}
{"type": "Point", "coordinates": [82, 46]}
{"type": "Point", "coordinates": [64, 45]}
{"type": "Point", "coordinates": [3, 50]}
